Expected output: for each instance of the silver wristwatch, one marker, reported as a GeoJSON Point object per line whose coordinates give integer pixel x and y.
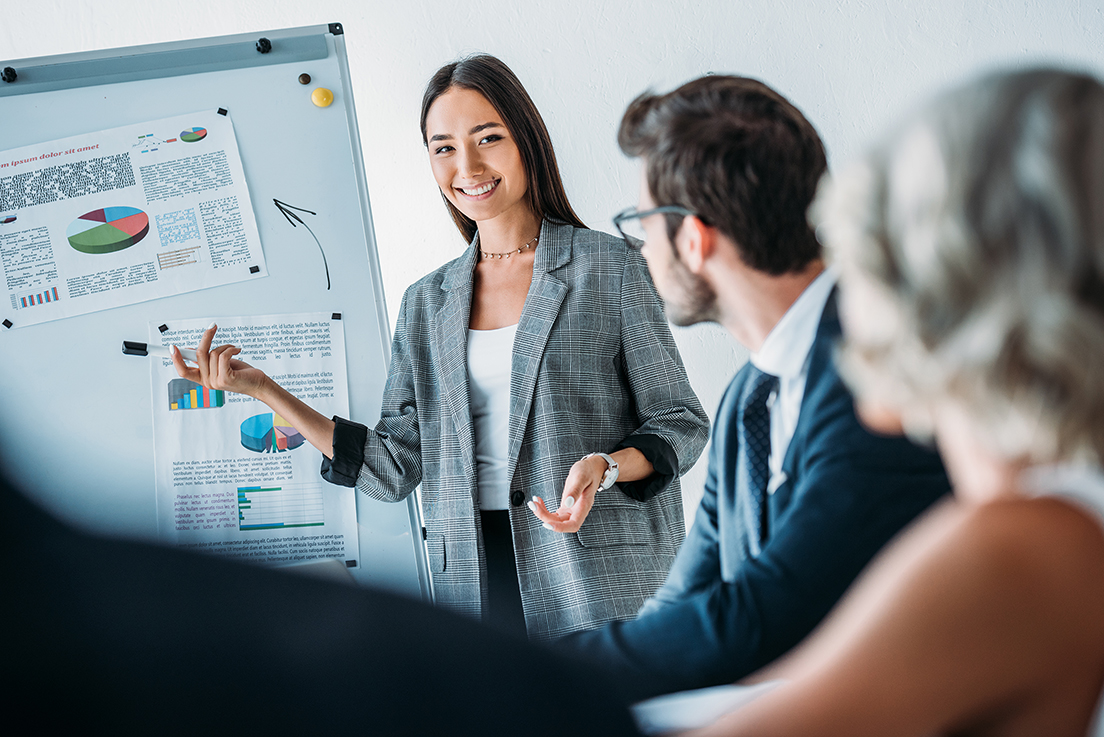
{"type": "Point", "coordinates": [610, 478]}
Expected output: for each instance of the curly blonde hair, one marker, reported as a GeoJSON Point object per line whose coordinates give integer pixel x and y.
{"type": "Point", "coordinates": [971, 252]}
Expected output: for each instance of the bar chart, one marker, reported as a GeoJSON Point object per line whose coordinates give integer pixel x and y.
{"type": "Point", "coordinates": [184, 394]}
{"type": "Point", "coordinates": [277, 507]}
{"type": "Point", "coordinates": [41, 298]}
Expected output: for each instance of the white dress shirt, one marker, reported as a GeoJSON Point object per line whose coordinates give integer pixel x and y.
{"type": "Point", "coordinates": [785, 354]}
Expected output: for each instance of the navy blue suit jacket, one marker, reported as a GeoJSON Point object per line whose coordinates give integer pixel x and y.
{"type": "Point", "coordinates": [723, 613]}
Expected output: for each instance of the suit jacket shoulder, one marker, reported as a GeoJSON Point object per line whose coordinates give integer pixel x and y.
{"type": "Point", "coordinates": [828, 422]}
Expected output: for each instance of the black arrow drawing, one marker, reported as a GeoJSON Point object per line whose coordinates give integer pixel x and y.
{"type": "Point", "coordinates": [292, 218]}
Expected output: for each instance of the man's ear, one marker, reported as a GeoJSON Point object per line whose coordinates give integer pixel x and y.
{"type": "Point", "coordinates": [695, 242]}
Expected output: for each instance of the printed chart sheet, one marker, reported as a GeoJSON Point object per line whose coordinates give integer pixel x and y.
{"type": "Point", "coordinates": [235, 479]}
{"type": "Point", "coordinates": [122, 216]}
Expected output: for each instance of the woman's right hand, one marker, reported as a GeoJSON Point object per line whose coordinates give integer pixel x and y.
{"type": "Point", "coordinates": [218, 369]}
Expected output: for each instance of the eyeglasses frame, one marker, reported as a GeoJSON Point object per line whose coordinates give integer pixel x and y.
{"type": "Point", "coordinates": [632, 214]}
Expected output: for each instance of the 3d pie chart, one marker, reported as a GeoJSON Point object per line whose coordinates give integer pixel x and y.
{"type": "Point", "coordinates": [191, 135]}
{"type": "Point", "coordinates": [269, 433]}
{"type": "Point", "coordinates": [108, 230]}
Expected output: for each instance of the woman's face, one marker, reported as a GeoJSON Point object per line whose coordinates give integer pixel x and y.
{"type": "Point", "coordinates": [474, 157]}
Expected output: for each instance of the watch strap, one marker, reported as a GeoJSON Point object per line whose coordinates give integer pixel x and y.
{"type": "Point", "coordinates": [612, 471]}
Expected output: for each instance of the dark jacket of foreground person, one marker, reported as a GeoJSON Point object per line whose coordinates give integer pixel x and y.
{"type": "Point", "coordinates": [122, 637]}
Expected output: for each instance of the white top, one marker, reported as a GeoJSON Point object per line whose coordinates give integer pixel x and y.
{"type": "Point", "coordinates": [1078, 483]}
{"type": "Point", "coordinates": [490, 353]}
{"type": "Point", "coordinates": [1083, 485]}
{"type": "Point", "coordinates": [785, 354]}
{"type": "Point", "coordinates": [694, 709]}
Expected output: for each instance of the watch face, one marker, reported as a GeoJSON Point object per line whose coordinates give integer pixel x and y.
{"type": "Point", "coordinates": [610, 476]}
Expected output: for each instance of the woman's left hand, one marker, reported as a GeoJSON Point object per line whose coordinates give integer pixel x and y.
{"type": "Point", "coordinates": [578, 496]}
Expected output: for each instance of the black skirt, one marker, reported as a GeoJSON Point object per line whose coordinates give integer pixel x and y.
{"type": "Point", "coordinates": [502, 578]}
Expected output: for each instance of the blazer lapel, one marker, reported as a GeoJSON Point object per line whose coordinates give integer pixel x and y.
{"type": "Point", "coordinates": [542, 307]}
{"type": "Point", "coordinates": [450, 345]}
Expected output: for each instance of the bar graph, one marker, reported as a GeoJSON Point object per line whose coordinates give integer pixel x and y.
{"type": "Point", "coordinates": [278, 507]}
{"type": "Point", "coordinates": [184, 394]}
{"type": "Point", "coordinates": [41, 298]}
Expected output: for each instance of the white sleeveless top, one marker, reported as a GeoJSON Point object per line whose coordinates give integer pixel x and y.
{"type": "Point", "coordinates": [490, 353]}
{"type": "Point", "coordinates": [1083, 485]}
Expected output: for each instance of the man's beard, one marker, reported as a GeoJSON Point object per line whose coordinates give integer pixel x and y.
{"type": "Point", "coordinates": [696, 301]}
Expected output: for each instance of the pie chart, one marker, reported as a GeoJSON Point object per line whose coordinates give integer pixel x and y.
{"type": "Point", "coordinates": [108, 230]}
{"type": "Point", "coordinates": [191, 135]}
{"type": "Point", "coordinates": [269, 433]}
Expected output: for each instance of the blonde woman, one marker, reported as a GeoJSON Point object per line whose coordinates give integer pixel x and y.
{"type": "Point", "coordinates": [972, 257]}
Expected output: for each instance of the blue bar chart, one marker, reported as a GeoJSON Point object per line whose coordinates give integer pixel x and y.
{"type": "Point", "coordinates": [185, 394]}
{"type": "Point", "coordinates": [278, 507]}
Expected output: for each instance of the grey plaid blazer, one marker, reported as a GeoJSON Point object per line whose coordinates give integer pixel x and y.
{"type": "Point", "coordinates": [594, 362]}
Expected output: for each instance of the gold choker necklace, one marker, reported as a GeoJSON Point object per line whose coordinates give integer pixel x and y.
{"type": "Point", "coordinates": [508, 254]}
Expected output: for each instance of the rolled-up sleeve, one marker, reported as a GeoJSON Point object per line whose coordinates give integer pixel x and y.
{"type": "Point", "coordinates": [349, 439]}
{"type": "Point", "coordinates": [384, 462]}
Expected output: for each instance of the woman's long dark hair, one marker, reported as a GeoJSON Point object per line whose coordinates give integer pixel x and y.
{"type": "Point", "coordinates": [491, 78]}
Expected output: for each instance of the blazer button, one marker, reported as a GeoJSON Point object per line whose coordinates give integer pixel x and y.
{"type": "Point", "coordinates": [516, 498]}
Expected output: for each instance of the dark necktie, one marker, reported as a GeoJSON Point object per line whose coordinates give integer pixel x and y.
{"type": "Point", "coordinates": [753, 467]}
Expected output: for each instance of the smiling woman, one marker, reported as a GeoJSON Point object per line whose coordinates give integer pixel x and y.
{"type": "Point", "coordinates": [474, 158]}
{"type": "Point", "coordinates": [477, 80]}
{"type": "Point", "coordinates": [537, 365]}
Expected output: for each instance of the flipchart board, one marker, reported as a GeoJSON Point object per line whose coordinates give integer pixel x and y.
{"type": "Point", "coordinates": [144, 193]}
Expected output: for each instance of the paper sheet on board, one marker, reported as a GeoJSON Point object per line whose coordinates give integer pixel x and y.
{"type": "Point", "coordinates": [122, 216]}
{"type": "Point", "coordinates": [232, 477]}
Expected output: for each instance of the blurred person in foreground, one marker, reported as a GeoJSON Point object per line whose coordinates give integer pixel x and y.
{"type": "Point", "coordinates": [113, 637]}
{"type": "Point", "coordinates": [972, 255]}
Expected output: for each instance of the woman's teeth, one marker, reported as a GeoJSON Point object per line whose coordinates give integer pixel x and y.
{"type": "Point", "coordinates": [479, 190]}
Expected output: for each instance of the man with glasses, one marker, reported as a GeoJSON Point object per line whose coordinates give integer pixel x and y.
{"type": "Point", "coordinates": [799, 495]}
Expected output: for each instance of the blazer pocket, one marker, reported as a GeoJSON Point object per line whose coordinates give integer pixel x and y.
{"type": "Point", "coordinates": [615, 524]}
{"type": "Point", "coordinates": [435, 547]}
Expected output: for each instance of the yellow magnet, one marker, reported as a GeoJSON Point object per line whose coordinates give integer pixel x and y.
{"type": "Point", "coordinates": [322, 97]}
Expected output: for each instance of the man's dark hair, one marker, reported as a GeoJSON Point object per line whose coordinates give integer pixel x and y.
{"type": "Point", "coordinates": [739, 155]}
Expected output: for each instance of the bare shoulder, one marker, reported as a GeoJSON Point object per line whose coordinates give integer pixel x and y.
{"type": "Point", "coordinates": [1042, 535]}
{"type": "Point", "coordinates": [978, 577]}
{"type": "Point", "coordinates": [992, 611]}
{"type": "Point", "coordinates": [1043, 556]}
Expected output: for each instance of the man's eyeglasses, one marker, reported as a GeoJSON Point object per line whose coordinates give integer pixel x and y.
{"type": "Point", "coordinates": [628, 223]}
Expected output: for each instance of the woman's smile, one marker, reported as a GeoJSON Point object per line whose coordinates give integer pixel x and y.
{"type": "Point", "coordinates": [480, 191]}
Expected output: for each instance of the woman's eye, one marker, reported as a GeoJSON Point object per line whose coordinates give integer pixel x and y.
{"type": "Point", "coordinates": [442, 149]}
{"type": "Point", "coordinates": [491, 138]}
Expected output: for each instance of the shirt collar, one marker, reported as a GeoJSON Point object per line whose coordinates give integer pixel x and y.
{"type": "Point", "coordinates": [787, 346]}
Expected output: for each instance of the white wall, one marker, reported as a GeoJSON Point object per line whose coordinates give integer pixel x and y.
{"type": "Point", "coordinates": [851, 65]}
